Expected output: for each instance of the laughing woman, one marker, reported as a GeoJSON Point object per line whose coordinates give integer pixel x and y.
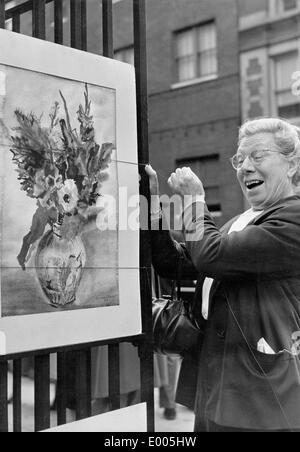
{"type": "Point", "coordinates": [247, 373]}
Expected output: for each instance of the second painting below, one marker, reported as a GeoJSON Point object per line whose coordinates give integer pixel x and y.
{"type": "Point", "coordinates": [58, 159]}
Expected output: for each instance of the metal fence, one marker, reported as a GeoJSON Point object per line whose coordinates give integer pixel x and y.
{"type": "Point", "coordinates": [79, 356]}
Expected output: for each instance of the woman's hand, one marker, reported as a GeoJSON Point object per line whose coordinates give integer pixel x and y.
{"type": "Point", "coordinates": [184, 182]}
{"type": "Point", "coordinates": [154, 191]}
{"type": "Point", "coordinates": [153, 180]}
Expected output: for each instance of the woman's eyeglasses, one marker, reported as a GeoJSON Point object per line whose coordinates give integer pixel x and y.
{"type": "Point", "coordinates": [256, 157]}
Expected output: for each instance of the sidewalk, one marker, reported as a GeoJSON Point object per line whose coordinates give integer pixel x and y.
{"type": "Point", "coordinates": [183, 423]}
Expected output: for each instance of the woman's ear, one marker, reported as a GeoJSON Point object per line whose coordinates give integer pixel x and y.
{"type": "Point", "coordinates": [293, 167]}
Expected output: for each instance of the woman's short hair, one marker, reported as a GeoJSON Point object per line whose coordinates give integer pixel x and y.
{"type": "Point", "coordinates": [286, 137]}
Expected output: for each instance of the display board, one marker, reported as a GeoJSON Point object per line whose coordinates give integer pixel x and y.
{"type": "Point", "coordinates": [68, 171]}
{"type": "Point", "coordinates": [115, 421]}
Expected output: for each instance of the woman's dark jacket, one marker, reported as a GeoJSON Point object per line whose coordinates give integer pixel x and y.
{"type": "Point", "coordinates": [256, 294]}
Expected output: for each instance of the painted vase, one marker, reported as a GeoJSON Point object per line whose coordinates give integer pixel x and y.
{"type": "Point", "coordinates": [60, 260]}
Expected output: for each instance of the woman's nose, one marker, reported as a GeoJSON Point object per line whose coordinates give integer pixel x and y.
{"type": "Point", "coordinates": [247, 165]}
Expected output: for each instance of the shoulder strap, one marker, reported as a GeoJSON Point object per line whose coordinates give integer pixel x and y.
{"type": "Point", "coordinates": [157, 285]}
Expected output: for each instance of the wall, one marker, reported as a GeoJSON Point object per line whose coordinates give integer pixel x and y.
{"type": "Point", "coordinates": [202, 119]}
{"type": "Point", "coordinates": [194, 121]}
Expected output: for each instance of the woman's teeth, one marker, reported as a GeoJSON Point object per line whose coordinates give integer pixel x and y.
{"type": "Point", "coordinates": [253, 183]}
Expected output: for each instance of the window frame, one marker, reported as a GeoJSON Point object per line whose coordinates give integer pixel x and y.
{"type": "Point", "coordinates": [276, 9]}
{"type": "Point", "coordinates": [275, 52]}
{"type": "Point", "coordinates": [194, 29]}
{"type": "Point", "coordinates": [216, 206]}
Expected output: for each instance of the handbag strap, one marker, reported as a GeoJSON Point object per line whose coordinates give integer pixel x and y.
{"type": "Point", "coordinates": [156, 284]}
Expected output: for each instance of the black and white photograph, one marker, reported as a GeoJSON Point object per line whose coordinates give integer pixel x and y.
{"type": "Point", "coordinates": [149, 218]}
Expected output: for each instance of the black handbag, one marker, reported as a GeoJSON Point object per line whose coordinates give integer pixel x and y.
{"type": "Point", "coordinates": [175, 329]}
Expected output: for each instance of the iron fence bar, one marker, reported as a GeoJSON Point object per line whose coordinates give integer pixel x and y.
{"type": "Point", "coordinates": [42, 392]}
{"type": "Point", "coordinates": [83, 25]}
{"type": "Point", "coordinates": [145, 349]}
{"type": "Point", "coordinates": [83, 367]}
{"type": "Point", "coordinates": [61, 389]}
{"type": "Point", "coordinates": [3, 397]}
{"type": "Point", "coordinates": [39, 19]}
{"type": "Point", "coordinates": [2, 13]}
{"type": "Point", "coordinates": [75, 24]}
{"type": "Point", "coordinates": [147, 382]}
{"type": "Point", "coordinates": [16, 24]}
{"type": "Point", "coordinates": [146, 352]}
{"type": "Point", "coordinates": [58, 22]}
{"type": "Point", "coordinates": [82, 394]}
{"type": "Point", "coordinates": [107, 26]}
{"type": "Point", "coordinates": [114, 376]}
{"type": "Point", "coordinates": [89, 382]}
{"type": "Point", "coordinates": [17, 395]}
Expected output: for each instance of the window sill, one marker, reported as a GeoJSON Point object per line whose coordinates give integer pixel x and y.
{"type": "Point", "coordinates": [263, 18]}
{"type": "Point", "coordinates": [283, 14]}
{"type": "Point", "coordinates": [195, 81]}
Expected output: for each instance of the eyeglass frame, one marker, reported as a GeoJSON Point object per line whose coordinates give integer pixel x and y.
{"type": "Point", "coordinates": [237, 168]}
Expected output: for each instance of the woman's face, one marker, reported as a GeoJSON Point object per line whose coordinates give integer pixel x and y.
{"type": "Point", "coordinates": [269, 179]}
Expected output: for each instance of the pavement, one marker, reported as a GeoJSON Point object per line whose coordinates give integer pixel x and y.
{"type": "Point", "coordinates": [184, 421]}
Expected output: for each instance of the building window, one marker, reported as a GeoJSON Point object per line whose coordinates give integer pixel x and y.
{"type": "Point", "coordinates": [288, 5]}
{"type": "Point", "coordinates": [288, 105]}
{"type": "Point", "coordinates": [278, 7]}
{"type": "Point", "coordinates": [196, 52]}
{"type": "Point", "coordinates": [125, 55]}
{"type": "Point", "coordinates": [207, 168]}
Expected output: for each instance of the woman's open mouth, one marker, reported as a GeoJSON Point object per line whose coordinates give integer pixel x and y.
{"type": "Point", "coordinates": [253, 184]}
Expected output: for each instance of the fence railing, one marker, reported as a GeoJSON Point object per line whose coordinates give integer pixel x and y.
{"type": "Point", "coordinates": [73, 379]}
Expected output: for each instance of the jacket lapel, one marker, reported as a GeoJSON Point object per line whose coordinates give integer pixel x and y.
{"type": "Point", "coordinates": [224, 230]}
{"type": "Point", "coordinates": [198, 292]}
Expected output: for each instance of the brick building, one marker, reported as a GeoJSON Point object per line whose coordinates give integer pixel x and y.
{"type": "Point", "coordinates": [194, 94]}
{"type": "Point", "coordinates": [194, 91]}
{"type": "Point", "coordinates": [269, 41]}
{"type": "Point", "coordinates": [211, 64]}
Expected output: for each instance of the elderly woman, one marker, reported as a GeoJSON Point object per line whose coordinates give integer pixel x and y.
{"type": "Point", "coordinates": [246, 377]}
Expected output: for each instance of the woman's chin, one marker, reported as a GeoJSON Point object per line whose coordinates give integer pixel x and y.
{"type": "Point", "coordinates": [256, 204]}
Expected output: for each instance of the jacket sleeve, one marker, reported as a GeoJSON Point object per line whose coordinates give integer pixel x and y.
{"type": "Point", "coordinates": [269, 249]}
{"type": "Point", "coordinates": [166, 253]}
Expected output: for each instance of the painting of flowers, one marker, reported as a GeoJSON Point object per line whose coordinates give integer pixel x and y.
{"type": "Point", "coordinates": [58, 159]}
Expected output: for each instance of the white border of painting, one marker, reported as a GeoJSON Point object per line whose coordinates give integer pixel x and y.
{"type": "Point", "coordinates": [41, 331]}
{"type": "Point", "coordinates": [131, 419]}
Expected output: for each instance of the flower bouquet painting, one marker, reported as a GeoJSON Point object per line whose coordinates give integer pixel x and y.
{"type": "Point", "coordinates": [62, 165]}
{"type": "Point", "coordinates": [64, 171]}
